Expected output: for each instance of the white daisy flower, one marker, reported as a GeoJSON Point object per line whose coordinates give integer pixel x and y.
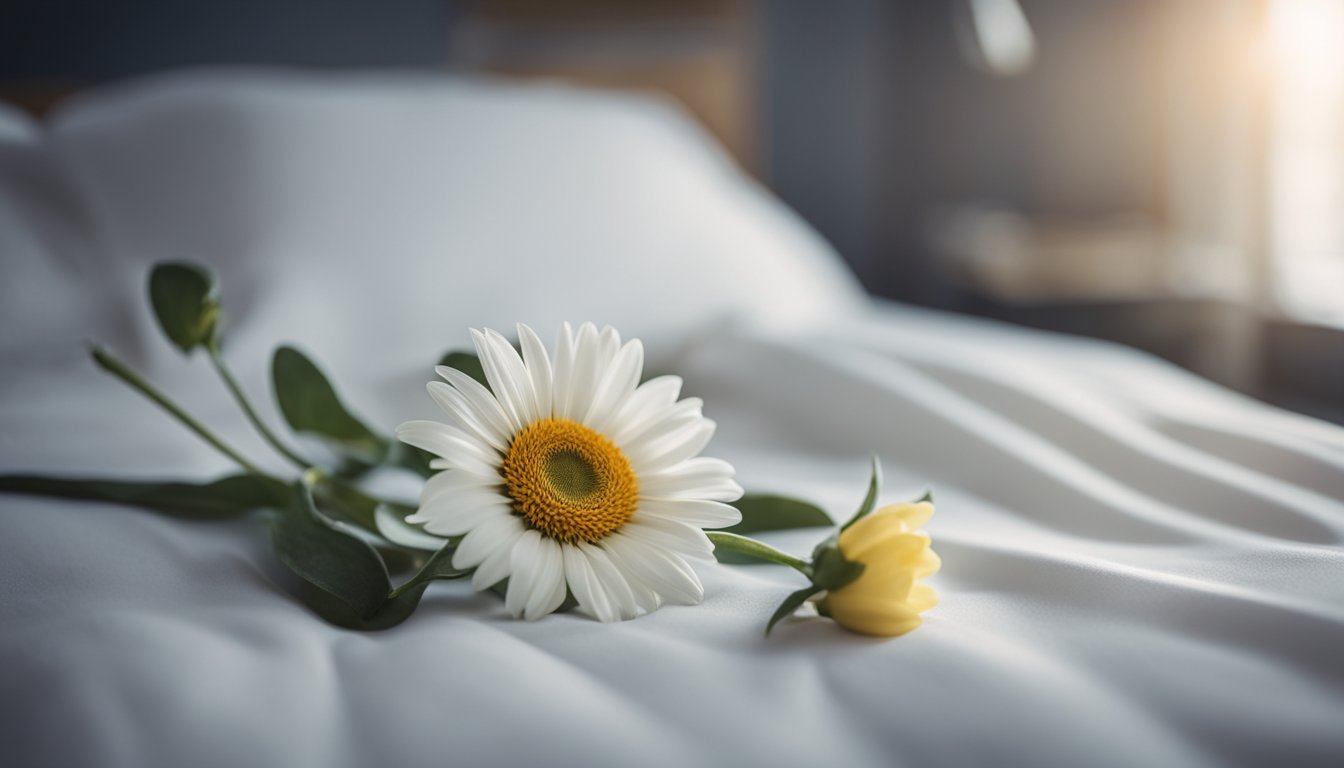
{"type": "Point", "coordinates": [570, 475]}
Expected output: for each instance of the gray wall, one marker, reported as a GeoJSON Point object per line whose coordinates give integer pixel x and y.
{"type": "Point", "coordinates": [93, 40]}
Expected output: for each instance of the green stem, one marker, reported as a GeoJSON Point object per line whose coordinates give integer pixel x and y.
{"type": "Point", "coordinates": [433, 570]}
{"type": "Point", "coordinates": [758, 550]}
{"type": "Point", "coordinates": [108, 362]}
{"type": "Point", "coordinates": [397, 591]}
{"type": "Point", "coordinates": [240, 397]}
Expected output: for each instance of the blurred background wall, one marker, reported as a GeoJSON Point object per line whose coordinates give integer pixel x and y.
{"type": "Point", "coordinates": [1169, 175]}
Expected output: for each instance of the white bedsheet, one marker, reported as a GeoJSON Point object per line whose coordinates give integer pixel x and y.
{"type": "Point", "coordinates": [1139, 569]}
{"type": "Point", "coordinates": [1119, 587]}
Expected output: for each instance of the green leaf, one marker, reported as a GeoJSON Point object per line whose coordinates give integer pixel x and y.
{"type": "Point", "coordinates": [870, 500]}
{"type": "Point", "coordinates": [353, 504]}
{"type": "Point", "coordinates": [186, 302]}
{"type": "Point", "coordinates": [310, 405]}
{"type": "Point", "coordinates": [928, 496]}
{"type": "Point", "coordinates": [790, 604]}
{"type": "Point", "coordinates": [438, 567]}
{"type": "Point", "coordinates": [768, 512]}
{"type": "Point", "coordinates": [466, 362]}
{"type": "Point", "coordinates": [399, 561]}
{"type": "Point", "coordinates": [406, 598]}
{"type": "Point", "coordinates": [394, 611]}
{"type": "Point", "coordinates": [830, 569]}
{"type": "Point", "coordinates": [350, 580]}
{"type": "Point", "coordinates": [225, 497]}
{"type": "Point", "coordinates": [399, 605]}
{"type": "Point", "coordinates": [735, 549]}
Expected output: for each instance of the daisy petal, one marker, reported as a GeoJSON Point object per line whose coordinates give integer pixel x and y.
{"type": "Point", "coordinates": [496, 566]}
{"type": "Point", "coordinates": [482, 400]}
{"type": "Point", "coordinates": [395, 530]}
{"type": "Point", "coordinates": [618, 384]}
{"type": "Point", "coordinates": [646, 599]}
{"type": "Point", "coordinates": [454, 481]}
{"type": "Point", "coordinates": [483, 540]}
{"type": "Point", "coordinates": [523, 579]}
{"type": "Point", "coordinates": [538, 369]}
{"type": "Point", "coordinates": [670, 534]}
{"type": "Point", "coordinates": [673, 449]}
{"type": "Point", "coordinates": [644, 407]}
{"type": "Point", "coordinates": [583, 373]}
{"type": "Point", "coordinates": [512, 366]}
{"type": "Point", "coordinates": [456, 405]}
{"type": "Point", "coordinates": [663, 572]}
{"type": "Point", "coordinates": [608, 344]}
{"type": "Point", "coordinates": [584, 584]}
{"type": "Point", "coordinates": [722, 490]}
{"type": "Point", "coordinates": [451, 444]}
{"type": "Point", "coordinates": [672, 419]}
{"type": "Point", "coordinates": [504, 380]}
{"type": "Point", "coordinates": [697, 512]}
{"type": "Point", "coordinates": [451, 517]}
{"type": "Point", "coordinates": [548, 586]}
{"type": "Point", "coordinates": [563, 376]}
{"type": "Point", "coordinates": [611, 581]}
{"type": "Point", "coordinates": [698, 478]}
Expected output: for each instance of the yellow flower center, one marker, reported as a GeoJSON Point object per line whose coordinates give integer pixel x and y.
{"type": "Point", "coordinates": [570, 482]}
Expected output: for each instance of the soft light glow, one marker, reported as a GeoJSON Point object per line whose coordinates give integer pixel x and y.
{"type": "Point", "coordinates": [1305, 36]}
{"type": "Point", "coordinates": [1307, 156]}
{"type": "Point", "coordinates": [1003, 36]}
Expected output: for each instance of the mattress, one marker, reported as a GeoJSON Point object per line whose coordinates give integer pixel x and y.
{"type": "Point", "coordinates": [1139, 566]}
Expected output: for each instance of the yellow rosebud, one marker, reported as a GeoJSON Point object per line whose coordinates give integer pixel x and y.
{"type": "Point", "coordinates": [885, 600]}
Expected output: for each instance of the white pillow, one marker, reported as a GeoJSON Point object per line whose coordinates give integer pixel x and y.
{"type": "Point", "coordinates": [377, 216]}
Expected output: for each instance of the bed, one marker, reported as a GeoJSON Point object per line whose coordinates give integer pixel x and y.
{"type": "Point", "coordinates": [1140, 568]}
